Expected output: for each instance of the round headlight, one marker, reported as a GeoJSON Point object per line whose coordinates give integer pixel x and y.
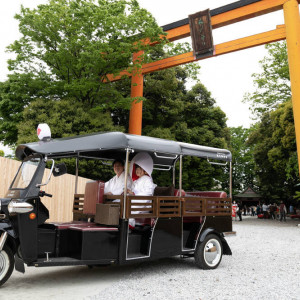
{"type": "Point", "coordinates": [19, 207]}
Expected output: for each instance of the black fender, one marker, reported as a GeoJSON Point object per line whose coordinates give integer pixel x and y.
{"type": "Point", "coordinates": [207, 231]}
{"type": "Point", "coordinates": [13, 242]}
{"type": "Point", "coordinates": [12, 238]}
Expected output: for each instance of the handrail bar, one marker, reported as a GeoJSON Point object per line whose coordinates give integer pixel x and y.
{"type": "Point", "coordinates": [170, 206]}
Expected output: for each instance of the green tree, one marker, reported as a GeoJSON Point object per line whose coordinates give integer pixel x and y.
{"type": "Point", "coordinates": [172, 112]}
{"type": "Point", "coordinates": [68, 117]}
{"type": "Point", "coordinates": [273, 83]}
{"type": "Point", "coordinates": [2, 153]}
{"type": "Point", "coordinates": [273, 140]}
{"type": "Point", "coordinates": [188, 116]}
{"type": "Point", "coordinates": [243, 164]}
{"type": "Point", "coordinates": [66, 50]}
{"type": "Point", "coordinates": [275, 153]}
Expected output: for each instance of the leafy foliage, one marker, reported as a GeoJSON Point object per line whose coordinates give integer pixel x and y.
{"type": "Point", "coordinates": [66, 50]}
{"type": "Point", "coordinates": [169, 111]}
{"type": "Point", "coordinates": [273, 138]}
{"type": "Point", "coordinates": [273, 83]}
{"type": "Point", "coordinates": [172, 112]}
{"type": "Point", "coordinates": [66, 117]}
{"type": "Point", "coordinates": [275, 153]}
{"type": "Point", "coordinates": [243, 174]}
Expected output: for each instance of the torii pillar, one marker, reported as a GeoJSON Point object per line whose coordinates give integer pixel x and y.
{"type": "Point", "coordinates": [136, 110]}
{"type": "Point", "coordinates": [292, 24]}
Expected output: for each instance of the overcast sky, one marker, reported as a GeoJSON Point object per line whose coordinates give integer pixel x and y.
{"type": "Point", "coordinates": [228, 77]}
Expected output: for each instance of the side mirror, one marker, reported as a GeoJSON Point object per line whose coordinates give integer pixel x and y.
{"type": "Point", "coordinates": [59, 170]}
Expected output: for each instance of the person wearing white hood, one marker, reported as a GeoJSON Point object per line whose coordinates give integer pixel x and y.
{"type": "Point", "coordinates": [141, 168]}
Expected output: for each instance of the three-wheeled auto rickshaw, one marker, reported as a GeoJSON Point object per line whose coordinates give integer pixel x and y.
{"type": "Point", "coordinates": [174, 222]}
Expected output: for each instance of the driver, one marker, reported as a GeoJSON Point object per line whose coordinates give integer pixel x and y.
{"type": "Point", "coordinates": [115, 186]}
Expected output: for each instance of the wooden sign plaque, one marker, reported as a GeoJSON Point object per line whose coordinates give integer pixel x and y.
{"type": "Point", "coordinates": [201, 33]}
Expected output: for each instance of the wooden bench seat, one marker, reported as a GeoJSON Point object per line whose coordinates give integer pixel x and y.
{"type": "Point", "coordinates": [83, 226]}
{"type": "Point", "coordinates": [93, 228]}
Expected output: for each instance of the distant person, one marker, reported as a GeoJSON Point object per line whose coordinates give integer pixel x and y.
{"type": "Point", "coordinates": [272, 209]}
{"type": "Point", "coordinates": [115, 186]}
{"type": "Point", "coordinates": [277, 212]}
{"type": "Point", "coordinates": [248, 210]}
{"type": "Point", "coordinates": [239, 212]}
{"type": "Point", "coordinates": [265, 210]}
{"type": "Point", "coordinates": [282, 210]}
{"type": "Point", "coordinates": [245, 210]}
{"type": "Point", "coordinates": [258, 210]}
{"type": "Point", "coordinates": [291, 209]}
{"type": "Point", "coordinates": [234, 210]}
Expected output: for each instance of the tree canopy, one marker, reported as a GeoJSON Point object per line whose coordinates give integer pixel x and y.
{"type": "Point", "coordinates": [273, 83]}
{"type": "Point", "coordinates": [170, 111]}
{"type": "Point", "coordinates": [66, 50]}
{"type": "Point", "coordinates": [273, 139]}
{"type": "Point", "coordinates": [275, 153]}
{"type": "Point", "coordinates": [243, 174]}
{"type": "Point", "coordinates": [173, 112]}
{"type": "Point", "coordinates": [67, 117]}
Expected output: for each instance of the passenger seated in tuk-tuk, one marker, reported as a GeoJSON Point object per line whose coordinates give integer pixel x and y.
{"type": "Point", "coordinates": [141, 168]}
{"type": "Point", "coordinates": [115, 186]}
{"type": "Point", "coordinates": [143, 185]}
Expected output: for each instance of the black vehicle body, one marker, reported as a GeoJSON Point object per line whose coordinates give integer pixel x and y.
{"type": "Point", "coordinates": [176, 224]}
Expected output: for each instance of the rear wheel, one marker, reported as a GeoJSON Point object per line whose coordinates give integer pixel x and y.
{"type": "Point", "coordinates": [6, 264]}
{"type": "Point", "coordinates": [208, 254]}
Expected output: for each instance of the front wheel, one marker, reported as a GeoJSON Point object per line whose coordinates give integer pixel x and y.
{"type": "Point", "coordinates": [208, 254]}
{"type": "Point", "coordinates": [7, 262]}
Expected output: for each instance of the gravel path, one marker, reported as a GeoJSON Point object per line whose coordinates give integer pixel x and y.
{"type": "Point", "coordinates": [265, 265]}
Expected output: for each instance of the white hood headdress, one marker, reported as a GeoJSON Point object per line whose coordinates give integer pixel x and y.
{"type": "Point", "coordinates": [144, 160]}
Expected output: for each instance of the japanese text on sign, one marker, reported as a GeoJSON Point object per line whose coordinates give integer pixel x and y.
{"type": "Point", "coordinates": [201, 32]}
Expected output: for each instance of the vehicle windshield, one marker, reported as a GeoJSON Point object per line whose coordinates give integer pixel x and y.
{"type": "Point", "coordinates": [25, 173]}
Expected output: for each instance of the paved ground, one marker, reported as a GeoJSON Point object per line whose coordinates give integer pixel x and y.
{"type": "Point", "coordinates": [265, 265]}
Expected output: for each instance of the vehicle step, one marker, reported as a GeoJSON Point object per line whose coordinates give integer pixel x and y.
{"type": "Point", "coordinates": [136, 256]}
{"type": "Point", "coordinates": [68, 261]}
{"type": "Point", "coordinates": [229, 233]}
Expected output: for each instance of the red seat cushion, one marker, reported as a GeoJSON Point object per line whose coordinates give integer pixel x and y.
{"type": "Point", "coordinates": [207, 194]}
{"type": "Point", "coordinates": [177, 193]}
{"type": "Point", "coordinates": [67, 225]}
{"type": "Point", "coordinates": [94, 191]}
{"type": "Point", "coordinates": [295, 216]}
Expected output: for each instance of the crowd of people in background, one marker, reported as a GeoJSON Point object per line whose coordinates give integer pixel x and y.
{"type": "Point", "coordinates": [272, 211]}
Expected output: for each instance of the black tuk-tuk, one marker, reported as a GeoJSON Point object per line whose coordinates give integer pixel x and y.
{"type": "Point", "coordinates": [175, 222]}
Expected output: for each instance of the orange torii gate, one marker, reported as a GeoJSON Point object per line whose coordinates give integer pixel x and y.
{"type": "Point", "coordinates": [226, 15]}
